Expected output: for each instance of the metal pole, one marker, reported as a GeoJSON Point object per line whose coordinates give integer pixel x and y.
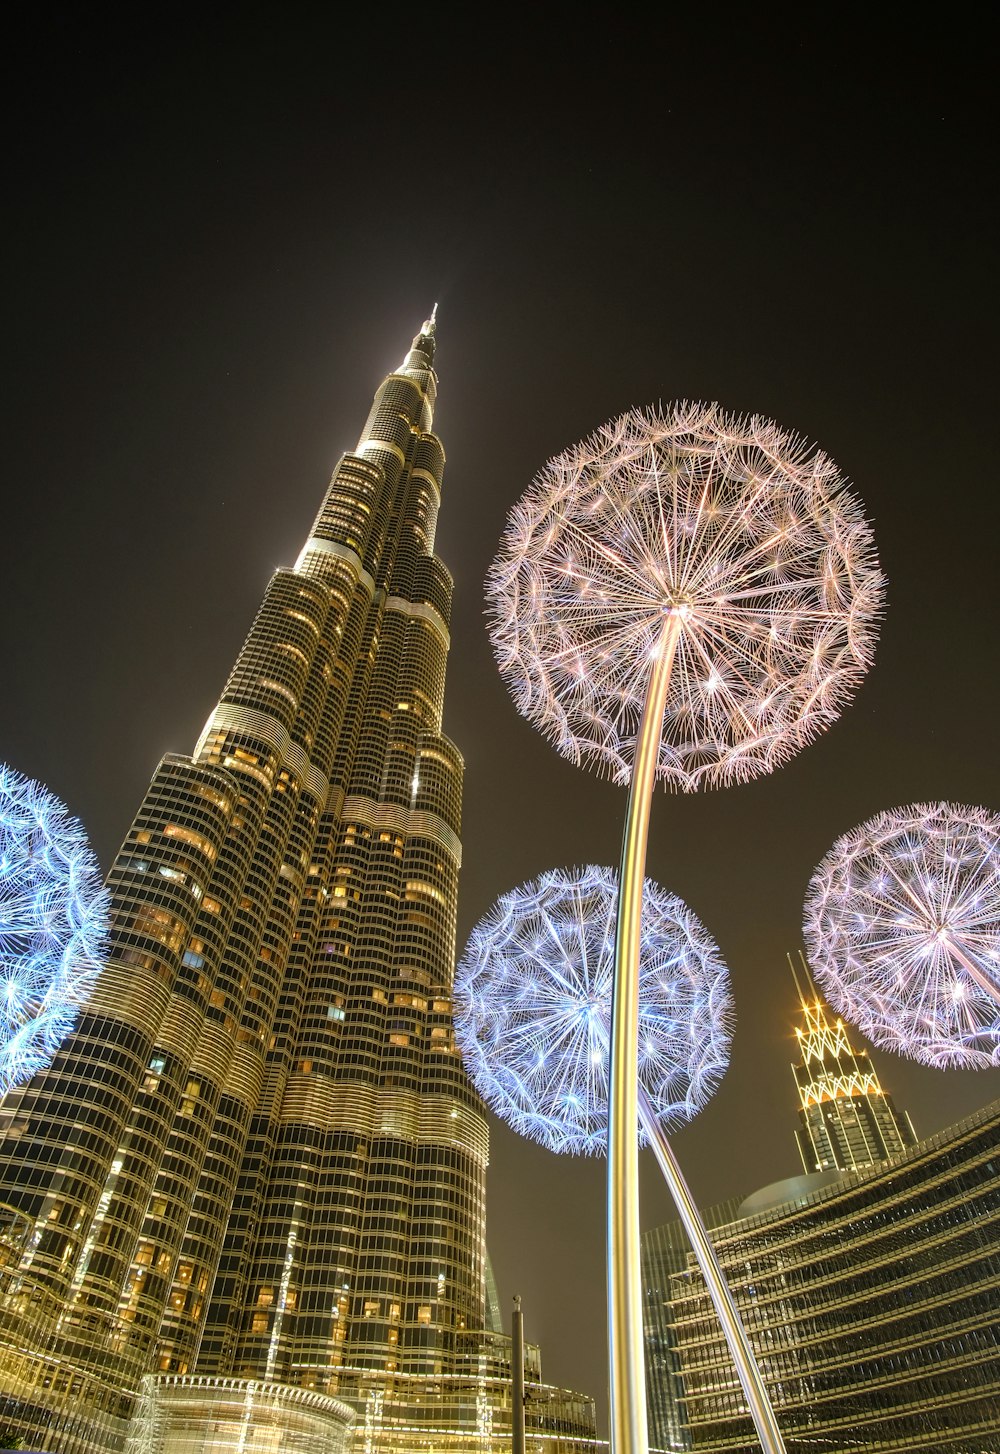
{"type": "Point", "coordinates": [629, 1432]}
{"type": "Point", "coordinates": [732, 1324]}
{"type": "Point", "coordinates": [517, 1379]}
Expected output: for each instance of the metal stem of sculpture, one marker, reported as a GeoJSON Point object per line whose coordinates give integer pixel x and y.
{"type": "Point", "coordinates": [628, 1103]}
{"type": "Point", "coordinates": [625, 1340]}
{"type": "Point", "coordinates": [718, 1289]}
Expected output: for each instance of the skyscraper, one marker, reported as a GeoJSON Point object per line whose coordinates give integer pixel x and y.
{"type": "Point", "coordinates": [258, 1160]}
{"type": "Point", "coordinates": [846, 1119]}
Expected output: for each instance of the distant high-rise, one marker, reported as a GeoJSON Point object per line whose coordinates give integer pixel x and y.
{"type": "Point", "coordinates": [258, 1163]}
{"type": "Point", "coordinates": [846, 1120]}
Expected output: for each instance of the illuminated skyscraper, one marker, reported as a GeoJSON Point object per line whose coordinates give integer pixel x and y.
{"type": "Point", "coordinates": [846, 1120]}
{"type": "Point", "coordinates": [258, 1163]}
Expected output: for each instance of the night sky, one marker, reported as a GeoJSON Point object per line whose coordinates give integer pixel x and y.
{"type": "Point", "coordinates": [220, 237]}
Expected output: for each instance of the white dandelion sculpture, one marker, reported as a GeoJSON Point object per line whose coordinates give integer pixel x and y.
{"type": "Point", "coordinates": [902, 929]}
{"type": "Point", "coordinates": [691, 596]}
{"type": "Point", "coordinates": [53, 925]}
{"type": "Point", "coordinates": [533, 1009]}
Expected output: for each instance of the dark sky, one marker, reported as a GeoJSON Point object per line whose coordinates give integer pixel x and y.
{"type": "Point", "coordinates": [222, 234]}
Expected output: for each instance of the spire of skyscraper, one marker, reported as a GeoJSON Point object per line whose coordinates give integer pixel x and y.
{"type": "Point", "coordinates": [846, 1119]}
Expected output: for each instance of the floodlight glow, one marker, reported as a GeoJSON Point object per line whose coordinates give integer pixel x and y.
{"type": "Point", "coordinates": [53, 925]}
{"type": "Point", "coordinates": [533, 996]}
{"type": "Point", "coordinates": [902, 930]}
{"type": "Point", "coordinates": [732, 527]}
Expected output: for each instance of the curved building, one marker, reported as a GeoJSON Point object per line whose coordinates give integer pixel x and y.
{"type": "Point", "coordinates": [870, 1299]}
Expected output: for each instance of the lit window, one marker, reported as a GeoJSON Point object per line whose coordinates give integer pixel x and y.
{"type": "Point", "coordinates": [188, 835]}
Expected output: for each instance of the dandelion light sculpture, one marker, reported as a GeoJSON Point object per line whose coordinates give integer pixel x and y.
{"type": "Point", "coordinates": [533, 1009]}
{"type": "Point", "coordinates": [691, 596]}
{"type": "Point", "coordinates": [53, 924]}
{"type": "Point", "coordinates": [902, 930]}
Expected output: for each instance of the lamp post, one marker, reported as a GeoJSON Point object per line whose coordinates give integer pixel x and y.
{"type": "Point", "coordinates": [517, 1378]}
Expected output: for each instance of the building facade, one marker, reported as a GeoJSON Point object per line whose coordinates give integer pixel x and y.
{"type": "Point", "coordinates": [846, 1119]}
{"type": "Point", "coordinates": [870, 1301]}
{"type": "Point", "coordinates": [258, 1164]}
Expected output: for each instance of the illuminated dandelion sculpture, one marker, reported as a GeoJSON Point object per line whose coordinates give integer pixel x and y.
{"type": "Point", "coordinates": [691, 596]}
{"type": "Point", "coordinates": [53, 918]}
{"type": "Point", "coordinates": [533, 1009]}
{"type": "Point", "coordinates": [718, 542]}
{"type": "Point", "coordinates": [902, 929]}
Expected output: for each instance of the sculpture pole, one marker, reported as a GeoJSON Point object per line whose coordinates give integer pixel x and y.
{"type": "Point", "coordinates": [627, 1101]}
{"type": "Point", "coordinates": [732, 1324]}
{"type": "Point", "coordinates": [628, 1427]}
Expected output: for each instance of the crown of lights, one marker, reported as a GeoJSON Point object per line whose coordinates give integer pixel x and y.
{"type": "Point", "coordinates": [902, 930]}
{"type": "Point", "coordinates": [731, 523]}
{"type": "Point", "coordinates": [53, 925]}
{"type": "Point", "coordinates": [533, 1008]}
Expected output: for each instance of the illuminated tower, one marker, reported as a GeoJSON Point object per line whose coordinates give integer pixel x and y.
{"type": "Point", "coordinates": [258, 1157]}
{"type": "Point", "coordinates": [846, 1120]}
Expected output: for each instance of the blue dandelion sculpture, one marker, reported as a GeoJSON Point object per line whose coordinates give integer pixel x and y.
{"type": "Point", "coordinates": [53, 925]}
{"type": "Point", "coordinates": [533, 993]}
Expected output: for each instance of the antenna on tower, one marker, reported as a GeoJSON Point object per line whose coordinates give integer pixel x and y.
{"type": "Point", "coordinates": [806, 976]}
